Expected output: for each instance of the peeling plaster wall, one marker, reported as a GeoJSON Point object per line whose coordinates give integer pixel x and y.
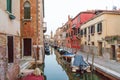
{"type": "Point", "coordinates": [9, 28]}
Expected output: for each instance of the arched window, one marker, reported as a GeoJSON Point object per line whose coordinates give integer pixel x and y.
{"type": "Point", "coordinates": [27, 10]}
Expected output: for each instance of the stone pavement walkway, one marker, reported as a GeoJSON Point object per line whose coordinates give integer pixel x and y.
{"type": "Point", "coordinates": [25, 62]}
{"type": "Point", "coordinates": [109, 66]}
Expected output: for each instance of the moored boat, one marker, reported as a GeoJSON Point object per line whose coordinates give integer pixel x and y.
{"type": "Point", "coordinates": [76, 62]}
{"type": "Point", "coordinates": [32, 75]}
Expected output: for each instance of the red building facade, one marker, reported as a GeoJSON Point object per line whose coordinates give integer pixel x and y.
{"type": "Point", "coordinates": [73, 31]}
{"type": "Point", "coordinates": [68, 34]}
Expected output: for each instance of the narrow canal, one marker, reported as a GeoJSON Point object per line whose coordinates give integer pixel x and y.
{"type": "Point", "coordinates": [54, 69]}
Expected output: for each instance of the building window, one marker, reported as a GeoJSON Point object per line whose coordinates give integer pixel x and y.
{"type": "Point", "coordinates": [99, 27]}
{"type": "Point", "coordinates": [89, 30]}
{"type": "Point", "coordinates": [78, 30]}
{"type": "Point", "coordinates": [81, 32]}
{"type": "Point", "coordinates": [85, 32]}
{"type": "Point", "coordinates": [71, 33]}
{"type": "Point", "coordinates": [66, 35]}
{"type": "Point", "coordinates": [92, 29]}
{"type": "Point", "coordinates": [88, 37]}
{"type": "Point", "coordinates": [9, 6]}
{"type": "Point", "coordinates": [74, 31]}
{"type": "Point", "coordinates": [27, 10]}
{"type": "Point", "coordinates": [92, 43]}
{"type": "Point", "coordinates": [67, 26]}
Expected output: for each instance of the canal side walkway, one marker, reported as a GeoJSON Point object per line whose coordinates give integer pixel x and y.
{"type": "Point", "coordinates": [110, 67]}
{"type": "Point", "coordinates": [25, 62]}
{"type": "Point", "coordinates": [25, 66]}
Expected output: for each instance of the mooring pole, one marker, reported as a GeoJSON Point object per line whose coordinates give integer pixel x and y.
{"type": "Point", "coordinates": [92, 60]}
{"type": "Point", "coordinates": [88, 53]}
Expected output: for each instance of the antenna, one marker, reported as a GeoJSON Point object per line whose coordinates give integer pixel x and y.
{"type": "Point", "coordinates": [114, 8]}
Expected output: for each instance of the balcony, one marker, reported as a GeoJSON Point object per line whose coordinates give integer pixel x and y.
{"type": "Point", "coordinates": [112, 38]}
{"type": "Point", "coordinates": [11, 16]}
{"type": "Point", "coordinates": [73, 26]}
{"type": "Point", "coordinates": [44, 27]}
{"type": "Point", "coordinates": [78, 36]}
{"type": "Point", "coordinates": [71, 37]}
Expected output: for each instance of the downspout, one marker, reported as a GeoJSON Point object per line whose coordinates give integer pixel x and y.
{"type": "Point", "coordinates": [36, 54]}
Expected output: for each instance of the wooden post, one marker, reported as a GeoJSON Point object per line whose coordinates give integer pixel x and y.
{"type": "Point", "coordinates": [92, 59]}
{"type": "Point", "coordinates": [88, 53]}
{"type": "Point", "coordinates": [35, 56]}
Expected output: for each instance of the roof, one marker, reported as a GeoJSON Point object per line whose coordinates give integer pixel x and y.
{"type": "Point", "coordinates": [101, 12]}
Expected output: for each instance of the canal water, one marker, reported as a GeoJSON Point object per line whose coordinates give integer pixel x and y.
{"type": "Point", "coordinates": [54, 69]}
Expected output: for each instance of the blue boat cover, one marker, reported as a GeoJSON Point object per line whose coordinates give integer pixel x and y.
{"type": "Point", "coordinates": [68, 54]}
{"type": "Point", "coordinates": [79, 61]}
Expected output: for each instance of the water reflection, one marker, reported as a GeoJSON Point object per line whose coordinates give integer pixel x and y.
{"type": "Point", "coordinates": [78, 76]}
{"type": "Point", "coordinates": [57, 69]}
{"type": "Point", "coordinates": [52, 70]}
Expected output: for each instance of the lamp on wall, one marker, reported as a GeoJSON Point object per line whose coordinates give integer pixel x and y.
{"type": "Point", "coordinates": [11, 16]}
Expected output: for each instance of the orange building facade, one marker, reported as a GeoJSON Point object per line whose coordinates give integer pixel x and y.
{"type": "Point", "coordinates": [32, 14]}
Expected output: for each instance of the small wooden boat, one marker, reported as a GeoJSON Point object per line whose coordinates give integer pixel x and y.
{"type": "Point", "coordinates": [32, 75]}
{"type": "Point", "coordinates": [77, 62]}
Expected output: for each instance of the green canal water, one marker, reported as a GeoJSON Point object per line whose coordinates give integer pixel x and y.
{"type": "Point", "coordinates": [54, 69]}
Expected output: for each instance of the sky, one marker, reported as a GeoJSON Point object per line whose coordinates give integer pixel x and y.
{"type": "Point", "coordinates": [57, 11]}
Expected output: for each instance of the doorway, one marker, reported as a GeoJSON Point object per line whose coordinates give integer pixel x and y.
{"type": "Point", "coordinates": [10, 49]}
{"type": "Point", "coordinates": [100, 48]}
{"type": "Point", "coordinates": [113, 53]}
{"type": "Point", "coordinates": [27, 42]}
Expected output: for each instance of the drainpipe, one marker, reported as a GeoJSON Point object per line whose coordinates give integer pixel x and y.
{"type": "Point", "coordinates": [37, 52]}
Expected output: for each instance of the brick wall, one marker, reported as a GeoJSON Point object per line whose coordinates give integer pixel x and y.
{"type": "Point", "coordinates": [10, 70]}
{"type": "Point", "coordinates": [2, 55]}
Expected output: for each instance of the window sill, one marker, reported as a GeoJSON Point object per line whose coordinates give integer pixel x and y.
{"type": "Point", "coordinates": [99, 32]}
{"type": "Point", "coordinates": [92, 34]}
{"type": "Point", "coordinates": [27, 19]}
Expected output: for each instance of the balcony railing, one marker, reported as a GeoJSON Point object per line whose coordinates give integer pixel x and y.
{"type": "Point", "coordinates": [73, 26]}
{"type": "Point", "coordinates": [44, 27]}
{"type": "Point", "coordinates": [78, 36]}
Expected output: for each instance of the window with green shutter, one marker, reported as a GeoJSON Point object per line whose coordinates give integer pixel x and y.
{"type": "Point", "coordinates": [9, 5]}
{"type": "Point", "coordinates": [27, 10]}
{"type": "Point", "coordinates": [92, 29]}
{"type": "Point", "coordinates": [99, 27]}
{"type": "Point", "coordinates": [81, 32]}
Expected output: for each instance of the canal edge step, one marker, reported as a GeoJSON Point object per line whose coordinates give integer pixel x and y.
{"type": "Point", "coordinates": [25, 66]}
{"type": "Point", "coordinates": [106, 70]}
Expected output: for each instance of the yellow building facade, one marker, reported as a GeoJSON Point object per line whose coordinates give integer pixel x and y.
{"type": "Point", "coordinates": [101, 35]}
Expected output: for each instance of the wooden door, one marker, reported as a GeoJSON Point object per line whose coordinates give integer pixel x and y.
{"type": "Point", "coordinates": [10, 49]}
{"type": "Point", "coordinates": [100, 48]}
{"type": "Point", "coordinates": [113, 52]}
{"type": "Point", "coordinates": [27, 47]}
